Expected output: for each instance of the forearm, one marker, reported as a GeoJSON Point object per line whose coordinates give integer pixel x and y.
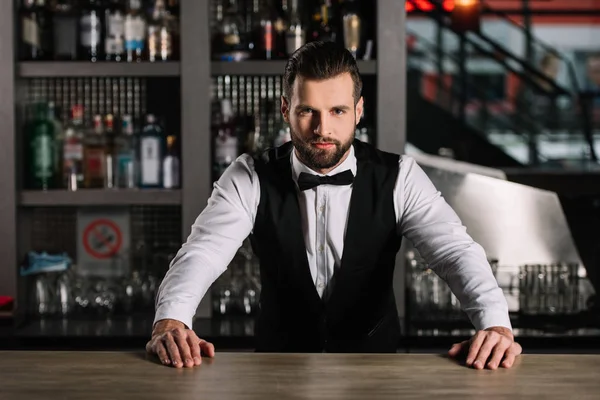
{"type": "Point", "coordinates": [471, 279]}
{"type": "Point", "coordinates": [217, 234]}
{"type": "Point", "coordinates": [185, 284]}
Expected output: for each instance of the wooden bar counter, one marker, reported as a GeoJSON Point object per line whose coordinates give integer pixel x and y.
{"type": "Point", "coordinates": [121, 375]}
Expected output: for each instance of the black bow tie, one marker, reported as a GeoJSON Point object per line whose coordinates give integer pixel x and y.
{"type": "Point", "coordinates": [309, 181]}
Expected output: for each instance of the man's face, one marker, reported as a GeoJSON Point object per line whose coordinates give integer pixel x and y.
{"type": "Point", "coordinates": [322, 118]}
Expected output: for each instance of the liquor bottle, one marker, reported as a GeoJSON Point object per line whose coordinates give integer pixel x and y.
{"type": "Point", "coordinates": [171, 165]}
{"type": "Point", "coordinates": [94, 155]}
{"type": "Point", "coordinates": [90, 25]}
{"type": "Point", "coordinates": [135, 31]}
{"type": "Point", "coordinates": [36, 31]}
{"type": "Point", "coordinates": [114, 40]}
{"type": "Point", "coordinates": [230, 38]}
{"type": "Point", "coordinates": [351, 24]}
{"type": "Point", "coordinates": [264, 34]}
{"type": "Point", "coordinates": [295, 35]}
{"type": "Point", "coordinates": [41, 150]}
{"type": "Point", "coordinates": [72, 171]}
{"type": "Point", "coordinates": [226, 141]}
{"type": "Point", "coordinates": [172, 17]}
{"type": "Point", "coordinates": [58, 135]}
{"type": "Point", "coordinates": [281, 23]}
{"type": "Point", "coordinates": [126, 155]}
{"type": "Point", "coordinates": [64, 25]}
{"type": "Point", "coordinates": [364, 130]}
{"type": "Point", "coordinates": [109, 159]}
{"type": "Point", "coordinates": [160, 37]}
{"type": "Point", "coordinates": [151, 153]}
{"type": "Point", "coordinates": [321, 27]}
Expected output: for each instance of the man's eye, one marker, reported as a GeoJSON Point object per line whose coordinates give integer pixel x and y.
{"type": "Point", "coordinates": [305, 111]}
{"type": "Point", "coordinates": [338, 111]}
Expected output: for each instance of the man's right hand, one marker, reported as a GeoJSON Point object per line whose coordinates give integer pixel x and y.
{"type": "Point", "coordinates": [178, 346]}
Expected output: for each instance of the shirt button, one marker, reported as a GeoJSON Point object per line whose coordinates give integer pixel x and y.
{"type": "Point", "coordinates": [321, 249]}
{"type": "Point", "coordinates": [322, 208]}
{"type": "Point", "coordinates": [321, 286]}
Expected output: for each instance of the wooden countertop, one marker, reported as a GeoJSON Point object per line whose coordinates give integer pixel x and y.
{"type": "Point", "coordinates": [116, 375]}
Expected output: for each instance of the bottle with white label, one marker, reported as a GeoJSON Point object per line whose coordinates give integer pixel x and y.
{"type": "Point", "coordinates": [90, 31]}
{"type": "Point", "coordinates": [171, 165]}
{"type": "Point", "coordinates": [135, 31]}
{"type": "Point", "coordinates": [114, 40]}
{"type": "Point", "coordinates": [72, 170]}
{"type": "Point", "coordinates": [36, 31]}
{"type": "Point", "coordinates": [151, 153]}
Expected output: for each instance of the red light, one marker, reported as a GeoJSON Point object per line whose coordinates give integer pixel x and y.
{"type": "Point", "coordinates": [426, 5]}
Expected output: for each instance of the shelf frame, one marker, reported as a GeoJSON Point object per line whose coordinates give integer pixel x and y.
{"type": "Point", "coordinates": [58, 69]}
{"type": "Point", "coordinates": [99, 197]}
{"type": "Point", "coordinates": [270, 68]}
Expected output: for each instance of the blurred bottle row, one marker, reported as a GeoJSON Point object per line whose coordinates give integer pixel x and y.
{"type": "Point", "coordinates": [76, 154]}
{"type": "Point", "coordinates": [99, 30]}
{"type": "Point", "coordinates": [274, 29]}
{"type": "Point", "coordinates": [254, 133]}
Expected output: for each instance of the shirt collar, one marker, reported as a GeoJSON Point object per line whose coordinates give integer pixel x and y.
{"type": "Point", "coordinates": [298, 166]}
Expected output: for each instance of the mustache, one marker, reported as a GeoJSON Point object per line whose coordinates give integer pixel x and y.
{"type": "Point", "coordinates": [324, 141]}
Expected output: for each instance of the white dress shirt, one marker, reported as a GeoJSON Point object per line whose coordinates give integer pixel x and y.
{"type": "Point", "coordinates": [422, 216]}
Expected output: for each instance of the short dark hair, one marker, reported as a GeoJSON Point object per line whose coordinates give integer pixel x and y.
{"type": "Point", "coordinates": [321, 60]}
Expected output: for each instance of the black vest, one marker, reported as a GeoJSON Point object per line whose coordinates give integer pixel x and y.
{"type": "Point", "coordinates": [359, 315]}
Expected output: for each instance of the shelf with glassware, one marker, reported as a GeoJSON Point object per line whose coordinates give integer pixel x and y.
{"type": "Point", "coordinates": [99, 163]}
{"type": "Point", "coordinates": [542, 299]}
{"type": "Point", "coordinates": [246, 35]}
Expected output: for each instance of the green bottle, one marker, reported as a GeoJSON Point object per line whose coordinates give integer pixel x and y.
{"type": "Point", "coordinates": [42, 153]}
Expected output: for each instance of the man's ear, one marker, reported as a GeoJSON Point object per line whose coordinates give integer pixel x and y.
{"type": "Point", "coordinates": [359, 109]}
{"type": "Point", "coordinates": [285, 109]}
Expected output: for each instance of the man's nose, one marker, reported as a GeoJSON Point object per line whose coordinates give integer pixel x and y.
{"type": "Point", "coordinates": [321, 125]}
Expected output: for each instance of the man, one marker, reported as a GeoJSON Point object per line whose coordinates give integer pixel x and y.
{"type": "Point", "coordinates": [326, 214]}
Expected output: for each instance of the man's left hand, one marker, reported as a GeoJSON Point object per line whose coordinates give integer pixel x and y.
{"type": "Point", "coordinates": [489, 348]}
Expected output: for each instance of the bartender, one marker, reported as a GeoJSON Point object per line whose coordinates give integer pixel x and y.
{"type": "Point", "coordinates": [326, 214]}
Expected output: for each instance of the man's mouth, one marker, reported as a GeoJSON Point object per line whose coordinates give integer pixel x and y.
{"type": "Point", "coordinates": [321, 145]}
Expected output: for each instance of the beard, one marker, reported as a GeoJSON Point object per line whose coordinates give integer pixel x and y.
{"type": "Point", "coordinates": [316, 158]}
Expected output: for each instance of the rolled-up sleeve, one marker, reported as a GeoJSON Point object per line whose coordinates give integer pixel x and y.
{"type": "Point", "coordinates": [216, 235]}
{"type": "Point", "coordinates": [432, 226]}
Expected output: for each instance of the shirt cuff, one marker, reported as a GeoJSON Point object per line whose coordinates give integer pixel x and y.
{"type": "Point", "coordinates": [178, 311]}
{"type": "Point", "coordinates": [488, 318]}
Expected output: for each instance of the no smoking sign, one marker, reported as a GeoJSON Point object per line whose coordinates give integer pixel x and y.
{"type": "Point", "coordinates": [102, 238]}
{"type": "Point", "coordinates": [103, 241]}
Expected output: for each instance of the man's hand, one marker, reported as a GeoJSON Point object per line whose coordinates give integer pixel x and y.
{"type": "Point", "coordinates": [489, 348]}
{"type": "Point", "coordinates": [178, 346]}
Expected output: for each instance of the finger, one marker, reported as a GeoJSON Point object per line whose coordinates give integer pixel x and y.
{"type": "Point", "coordinates": [184, 348]}
{"type": "Point", "coordinates": [161, 352]}
{"type": "Point", "coordinates": [511, 355]}
{"type": "Point", "coordinates": [498, 352]}
{"type": "Point", "coordinates": [173, 350]}
{"type": "Point", "coordinates": [457, 348]}
{"type": "Point", "coordinates": [486, 349]}
{"type": "Point", "coordinates": [194, 344]}
{"type": "Point", "coordinates": [208, 349]}
{"type": "Point", "coordinates": [476, 343]}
